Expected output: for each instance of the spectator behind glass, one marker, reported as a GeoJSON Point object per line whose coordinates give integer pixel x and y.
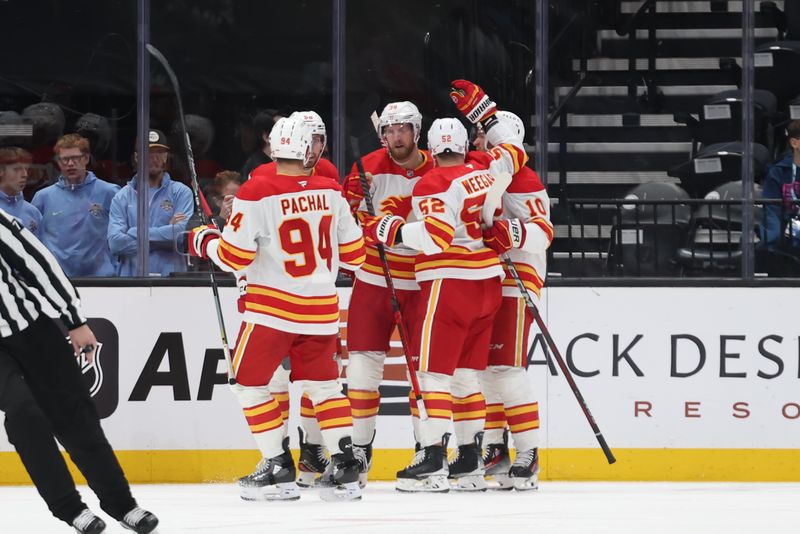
{"type": "Point", "coordinates": [75, 212]}
{"type": "Point", "coordinates": [228, 183]}
{"type": "Point", "coordinates": [262, 124]}
{"type": "Point", "coordinates": [782, 183]}
{"type": "Point", "coordinates": [14, 164]}
{"type": "Point", "coordinates": [170, 205]}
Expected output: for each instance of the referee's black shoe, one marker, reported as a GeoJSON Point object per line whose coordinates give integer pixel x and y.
{"type": "Point", "coordinates": [88, 523]}
{"type": "Point", "coordinates": [140, 521]}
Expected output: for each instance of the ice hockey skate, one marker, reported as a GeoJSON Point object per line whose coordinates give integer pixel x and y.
{"type": "Point", "coordinates": [427, 472]}
{"type": "Point", "coordinates": [363, 453]}
{"type": "Point", "coordinates": [497, 462]}
{"type": "Point", "coordinates": [313, 462]}
{"type": "Point", "coordinates": [466, 471]}
{"type": "Point", "coordinates": [88, 523]}
{"type": "Point", "coordinates": [524, 472]}
{"type": "Point", "coordinates": [140, 521]}
{"type": "Point", "coordinates": [340, 483]}
{"type": "Point", "coordinates": [273, 479]}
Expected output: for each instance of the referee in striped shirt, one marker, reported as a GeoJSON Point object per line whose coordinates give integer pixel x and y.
{"type": "Point", "coordinates": [42, 391]}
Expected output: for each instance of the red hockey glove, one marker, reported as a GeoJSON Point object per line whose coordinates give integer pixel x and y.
{"type": "Point", "coordinates": [354, 191]}
{"type": "Point", "coordinates": [470, 100]}
{"type": "Point", "coordinates": [200, 237]}
{"type": "Point", "coordinates": [382, 229]}
{"type": "Point", "coordinates": [241, 284]}
{"type": "Point", "coordinates": [504, 235]}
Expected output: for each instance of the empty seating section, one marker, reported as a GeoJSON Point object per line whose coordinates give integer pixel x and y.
{"type": "Point", "coordinates": [645, 159]}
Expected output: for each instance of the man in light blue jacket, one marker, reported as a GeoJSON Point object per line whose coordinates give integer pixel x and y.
{"type": "Point", "coordinates": [171, 205]}
{"type": "Point", "coordinates": [14, 164]}
{"type": "Point", "coordinates": [75, 212]}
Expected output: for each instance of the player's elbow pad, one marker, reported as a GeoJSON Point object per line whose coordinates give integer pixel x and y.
{"type": "Point", "coordinates": [537, 237]}
{"type": "Point", "coordinates": [415, 237]}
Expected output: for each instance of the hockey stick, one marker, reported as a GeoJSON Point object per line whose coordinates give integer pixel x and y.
{"type": "Point", "coordinates": [493, 201]}
{"type": "Point", "coordinates": [197, 204]}
{"type": "Point", "coordinates": [559, 359]}
{"type": "Point", "coordinates": [398, 317]}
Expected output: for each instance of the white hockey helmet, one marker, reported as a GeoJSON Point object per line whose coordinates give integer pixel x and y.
{"type": "Point", "coordinates": [290, 138]}
{"type": "Point", "coordinates": [401, 113]}
{"type": "Point", "coordinates": [447, 135]}
{"type": "Point", "coordinates": [513, 123]}
{"type": "Point", "coordinates": [314, 123]}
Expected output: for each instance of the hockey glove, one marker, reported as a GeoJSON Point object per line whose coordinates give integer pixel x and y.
{"type": "Point", "coordinates": [470, 100]}
{"type": "Point", "coordinates": [241, 284]}
{"type": "Point", "coordinates": [504, 235]}
{"type": "Point", "coordinates": [383, 229]}
{"type": "Point", "coordinates": [354, 191]}
{"type": "Point", "coordinates": [200, 237]}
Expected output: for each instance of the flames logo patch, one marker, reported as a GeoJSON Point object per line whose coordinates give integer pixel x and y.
{"type": "Point", "coordinates": [397, 205]}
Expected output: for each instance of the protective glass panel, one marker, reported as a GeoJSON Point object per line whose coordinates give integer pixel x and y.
{"type": "Point", "coordinates": [646, 141]}
{"type": "Point", "coordinates": [239, 71]}
{"type": "Point", "coordinates": [67, 121]}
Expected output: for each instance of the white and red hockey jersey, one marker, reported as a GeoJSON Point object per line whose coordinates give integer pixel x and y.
{"type": "Point", "coordinates": [447, 202]}
{"type": "Point", "coordinates": [526, 199]}
{"type": "Point", "coordinates": [391, 190]}
{"type": "Point", "coordinates": [290, 235]}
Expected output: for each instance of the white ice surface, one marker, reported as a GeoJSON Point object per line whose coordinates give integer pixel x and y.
{"type": "Point", "coordinates": [557, 508]}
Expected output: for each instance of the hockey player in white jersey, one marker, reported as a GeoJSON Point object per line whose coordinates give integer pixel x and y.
{"type": "Point", "coordinates": [289, 233]}
{"type": "Point", "coordinates": [313, 459]}
{"type": "Point", "coordinates": [460, 281]}
{"type": "Point", "coordinates": [523, 230]}
{"type": "Point", "coordinates": [392, 172]}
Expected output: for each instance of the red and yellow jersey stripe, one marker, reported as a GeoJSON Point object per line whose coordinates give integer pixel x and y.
{"type": "Point", "coordinates": [471, 408]}
{"type": "Point", "coordinates": [438, 404]}
{"type": "Point", "coordinates": [523, 417]}
{"type": "Point", "coordinates": [334, 413]}
{"type": "Point", "coordinates": [353, 253]}
{"type": "Point", "coordinates": [400, 266]}
{"type": "Point", "coordinates": [364, 403]}
{"type": "Point", "coordinates": [530, 278]}
{"type": "Point", "coordinates": [273, 302]}
{"type": "Point", "coordinates": [495, 417]}
{"type": "Point", "coordinates": [307, 407]}
{"type": "Point", "coordinates": [283, 402]}
{"type": "Point", "coordinates": [234, 257]}
{"type": "Point", "coordinates": [441, 232]}
{"type": "Point", "coordinates": [477, 264]}
{"type": "Point", "coordinates": [263, 417]}
{"type": "Point", "coordinates": [518, 155]}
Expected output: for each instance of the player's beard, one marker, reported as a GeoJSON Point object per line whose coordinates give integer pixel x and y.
{"type": "Point", "coordinates": [401, 154]}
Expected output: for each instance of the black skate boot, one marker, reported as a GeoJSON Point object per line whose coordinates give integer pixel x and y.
{"type": "Point", "coordinates": [313, 462]}
{"type": "Point", "coordinates": [340, 483]}
{"type": "Point", "coordinates": [88, 523]}
{"type": "Point", "coordinates": [466, 469]}
{"type": "Point", "coordinates": [524, 471]}
{"type": "Point", "coordinates": [497, 462]}
{"type": "Point", "coordinates": [427, 472]}
{"type": "Point", "coordinates": [273, 479]}
{"type": "Point", "coordinates": [363, 453]}
{"type": "Point", "coordinates": [140, 521]}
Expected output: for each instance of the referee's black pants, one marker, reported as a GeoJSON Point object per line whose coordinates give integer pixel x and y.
{"type": "Point", "coordinates": [43, 395]}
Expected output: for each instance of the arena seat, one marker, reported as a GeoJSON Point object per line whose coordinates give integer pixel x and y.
{"type": "Point", "coordinates": [644, 237]}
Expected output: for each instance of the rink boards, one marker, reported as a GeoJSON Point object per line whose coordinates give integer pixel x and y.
{"type": "Point", "coordinates": [685, 384]}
